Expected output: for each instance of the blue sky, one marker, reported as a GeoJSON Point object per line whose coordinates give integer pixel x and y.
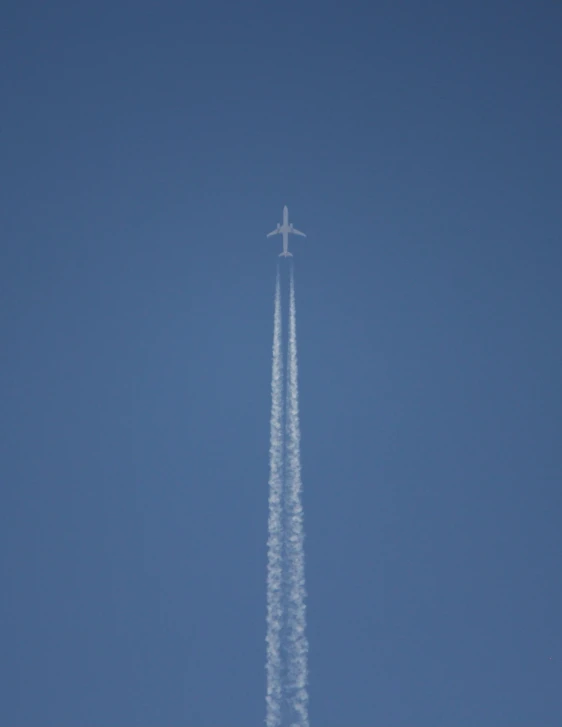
{"type": "Point", "coordinates": [146, 150]}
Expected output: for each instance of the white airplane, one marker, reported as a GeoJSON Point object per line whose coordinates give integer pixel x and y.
{"type": "Point", "coordinates": [285, 229]}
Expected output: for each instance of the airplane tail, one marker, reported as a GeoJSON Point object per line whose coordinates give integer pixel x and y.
{"type": "Point", "coordinates": [285, 254]}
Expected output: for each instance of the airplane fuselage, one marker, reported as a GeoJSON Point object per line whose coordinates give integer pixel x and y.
{"type": "Point", "coordinates": [284, 230]}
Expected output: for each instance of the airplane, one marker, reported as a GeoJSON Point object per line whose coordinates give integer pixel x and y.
{"type": "Point", "coordinates": [285, 229]}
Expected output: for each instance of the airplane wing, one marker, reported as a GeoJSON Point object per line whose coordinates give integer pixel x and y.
{"type": "Point", "coordinates": [275, 232]}
{"type": "Point", "coordinates": [297, 232]}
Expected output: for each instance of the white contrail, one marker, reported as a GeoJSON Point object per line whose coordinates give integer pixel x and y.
{"type": "Point", "coordinates": [297, 645]}
{"type": "Point", "coordinates": [275, 527]}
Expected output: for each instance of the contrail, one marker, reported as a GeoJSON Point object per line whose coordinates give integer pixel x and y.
{"type": "Point", "coordinates": [296, 692]}
{"type": "Point", "coordinates": [275, 527]}
{"type": "Point", "coordinates": [287, 646]}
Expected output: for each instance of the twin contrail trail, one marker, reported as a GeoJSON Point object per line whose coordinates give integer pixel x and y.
{"type": "Point", "coordinates": [287, 646]}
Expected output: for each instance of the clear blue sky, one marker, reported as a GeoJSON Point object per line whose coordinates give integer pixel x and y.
{"type": "Point", "coordinates": [146, 149]}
